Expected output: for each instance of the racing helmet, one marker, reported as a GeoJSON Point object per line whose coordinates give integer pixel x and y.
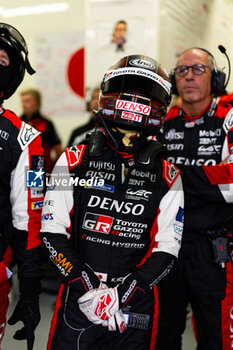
{"type": "Point", "coordinates": [12, 75]}
{"type": "Point", "coordinates": [135, 93]}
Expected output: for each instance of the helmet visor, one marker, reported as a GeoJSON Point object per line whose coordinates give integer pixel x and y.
{"type": "Point", "coordinates": [140, 80]}
{"type": "Point", "coordinates": [13, 36]}
{"type": "Point", "coordinates": [16, 40]}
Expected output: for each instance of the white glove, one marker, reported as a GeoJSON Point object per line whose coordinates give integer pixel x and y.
{"type": "Point", "coordinates": [116, 322]}
{"type": "Point", "coordinates": [99, 304]}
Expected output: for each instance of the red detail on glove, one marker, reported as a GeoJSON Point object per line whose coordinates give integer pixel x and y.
{"type": "Point", "coordinates": [100, 310]}
{"type": "Point", "coordinates": [122, 327]}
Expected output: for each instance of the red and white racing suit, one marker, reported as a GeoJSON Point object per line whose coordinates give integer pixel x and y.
{"type": "Point", "coordinates": [20, 150]}
{"type": "Point", "coordinates": [124, 232]}
{"type": "Point", "coordinates": [197, 146]}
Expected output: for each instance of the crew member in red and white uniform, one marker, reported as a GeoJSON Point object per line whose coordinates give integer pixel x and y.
{"type": "Point", "coordinates": [20, 152]}
{"type": "Point", "coordinates": [116, 231]}
{"type": "Point", "coordinates": [199, 139]}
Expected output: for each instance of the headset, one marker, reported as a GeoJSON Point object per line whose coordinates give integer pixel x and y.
{"type": "Point", "coordinates": [218, 86]}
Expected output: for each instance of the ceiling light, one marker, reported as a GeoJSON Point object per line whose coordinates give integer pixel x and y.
{"type": "Point", "coordinates": [34, 10]}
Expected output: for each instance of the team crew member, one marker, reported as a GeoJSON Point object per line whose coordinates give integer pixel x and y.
{"type": "Point", "coordinates": [79, 134]}
{"type": "Point", "coordinates": [31, 105]}
{"type": "Point", "coordinates": [115, 238]}
{"type": "Point", "coordinates": [21, 149]}
{"type": "Point", "coordinates": [199, 137]}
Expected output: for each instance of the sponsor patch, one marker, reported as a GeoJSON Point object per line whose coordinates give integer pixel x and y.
{"type": "Point", "coordinates": [133, 107]}
{"type": "Point", "coordinates": [97, 223]}
{"type": "Point", "coordinates": [49, 202]}
{"type": "Point", "coordinates": [63, 263]}
{"type": "Point", "coordinates": [228, 121]}
{"type": "Point", "coordinates": [47, 216]}
{"type": "Point", "coordinates": [102, 276]}
{"type": "Point", "coordinates": [74, 155]}
{"type": "Point", "coordinates": [172, 134]}
{"type": "Point", "coordinates": [26, 135]}
{"type": "Point", "coordinates": [153, 121]}
{"type": "Point", "coordinates": [105, 187]}
{"type": "Point", "coordinates": [110, 204]}
{"type": "Point", "coordinates": [37, 162]}
{"type": "Point", "coordinates": [37, 205]}
{"type": "Point", "coordinates": [135, 182]}
{"type": "Point", "coordinates": [107, 111]}
{"type": "Point", "coordinates": [138, 194]}
{"type": "Point", "coordinates": [142, 63]}
{"type": "Point", "coordinates": [178, 229]}
{"type": "Point", "coordinates": [51, 188]}
{"type": "Point", "coordinates": [131, 116]}
{"type": "Point", "coordinates": [230, 138]}
{"type": "Point", "coordinates": [36, 193]}
{"type": "Point", "coordinates": [4, 135]}
{"type": "Point", "coordinates": [192, 123]}
{"type": "Point", "coordinates": [144, 174]}
{"type": "Point", "coordinates": [170, 173]}
{"type": "Point", "coordinates": [180, 215]}
{"type": "Point", "coordinates": [141, 72]}
{"type": "Point", "coordinates": [209, 150]}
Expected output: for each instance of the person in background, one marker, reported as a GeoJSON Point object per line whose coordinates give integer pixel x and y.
{"type": "Point", "coordinates": [199, 138]}
{"type": "Point", "coordinates": [78, 135]}
{"type": "Point", "coordinates": [31, 104]}
{"type": "Point", "coordinates": [118, 236]}
{"type": "Point", "coordinates": [21, 159]}
{"type": "Point", "coordinates": [119, 35]}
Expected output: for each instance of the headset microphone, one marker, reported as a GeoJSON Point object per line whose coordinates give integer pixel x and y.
{"type": "Point", "coordinates": [223, 50]}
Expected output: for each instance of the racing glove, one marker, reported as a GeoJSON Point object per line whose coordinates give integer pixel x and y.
{"type": "Point", "coordinates": [99, 304]}
{"type": "Point", "coordinates": [27, 311]}
{"type": "Point", "coordinates": [102, 307]}
{"type": "Point", "coordinates": [116, 322]}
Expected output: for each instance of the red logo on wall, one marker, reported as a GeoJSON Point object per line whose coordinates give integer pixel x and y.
{"type": "Point", "coordinates": [76, 72]}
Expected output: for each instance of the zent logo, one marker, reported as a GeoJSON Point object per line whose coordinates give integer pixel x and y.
{"type": "Point", "coordinates": [97, 223]}
{"type": "Point", "coordinates": [131, 116]}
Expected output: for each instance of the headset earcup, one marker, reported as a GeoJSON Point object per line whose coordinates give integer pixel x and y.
{"type": "Point", "coordinates": [218, 83]}
{"type": "Point", "coordinates": [173, 82]}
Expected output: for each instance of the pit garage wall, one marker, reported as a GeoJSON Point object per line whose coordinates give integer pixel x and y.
{"type": "Point", "coordinates": [201, 23]}
{"type": "Point", "coordinates": [101, 17]}
{"type": "Point", "coordinates": [159, 28]}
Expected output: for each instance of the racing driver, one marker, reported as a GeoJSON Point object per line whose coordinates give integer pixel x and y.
{"type": "Point", "coordinates": [114, 240]}
{"type": "Point", "coordinates": [20, 153]}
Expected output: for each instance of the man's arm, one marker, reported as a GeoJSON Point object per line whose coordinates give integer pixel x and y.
{"type": "Point", "coordinates": [55, 233]}
{"type": "Point", "coordinates": [25, 241]}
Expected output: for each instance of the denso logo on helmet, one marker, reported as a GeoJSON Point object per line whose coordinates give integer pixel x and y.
{"type": "Point", "coordinates": [133, 107]}
{"type": "Point", "coordinates": [142, 63]}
